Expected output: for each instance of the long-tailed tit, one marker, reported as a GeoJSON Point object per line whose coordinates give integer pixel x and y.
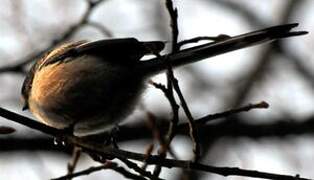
{"type": "Point", "coordinates": [91, 86]}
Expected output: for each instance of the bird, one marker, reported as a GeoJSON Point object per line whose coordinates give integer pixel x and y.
{"type": "Point", "coordinates": [90, 87]}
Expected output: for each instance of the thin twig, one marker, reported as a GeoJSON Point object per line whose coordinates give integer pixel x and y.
{"type": "Point", "coordinates": [211, 117]}
{"type": "Point", "coordinates": [202, 38]}
{"type": "Point", "coordinates": [138, 169]}
{"type": "Point", "coordinates": [173, 12]}
{"type": "Point", "coordinates": [108, 165]}
{"type": "Point", "coordinates": [173, 124]}
{"type": "Point", "coordinates": [172, 129]}
{"type": "Point", "coordinates": [168, 91]}
{"type": "Point", "coordinates": [192, 126]}
{"type": "Point", "coordinates": [74, 160]}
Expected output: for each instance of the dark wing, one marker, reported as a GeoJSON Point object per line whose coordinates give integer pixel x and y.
{"type": "Point", "coordinates": [123, 51]}
{"type": "Point", "coordinates": [128, 50]}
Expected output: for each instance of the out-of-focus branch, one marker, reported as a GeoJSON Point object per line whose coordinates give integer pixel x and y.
{"type": "Point", "coordinates": [20, 66]}
{"type": "Point", "coordinates": [100, 27]}
{"type": "Point", "coordinates": [254, 20]}
{"type": "Point", "coordinates": [265, 57]}
{"type": "Point", "coordinates": [6, 130]}
{"type": "Point", "coordinates": [299, 66]}
{"type": "Point", "coordinates": [237, 7]}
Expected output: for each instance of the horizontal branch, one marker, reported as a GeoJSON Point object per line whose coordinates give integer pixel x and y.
{"type": "Point", "coordinates": [232, 128]}
{"type": "Point", "coordinates": [100, 149]}
{"type": "Point", "coordinates": [171, 163]}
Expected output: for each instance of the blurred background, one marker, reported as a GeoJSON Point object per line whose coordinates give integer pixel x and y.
{"type": "Point", "coordinates": [278, 139]}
